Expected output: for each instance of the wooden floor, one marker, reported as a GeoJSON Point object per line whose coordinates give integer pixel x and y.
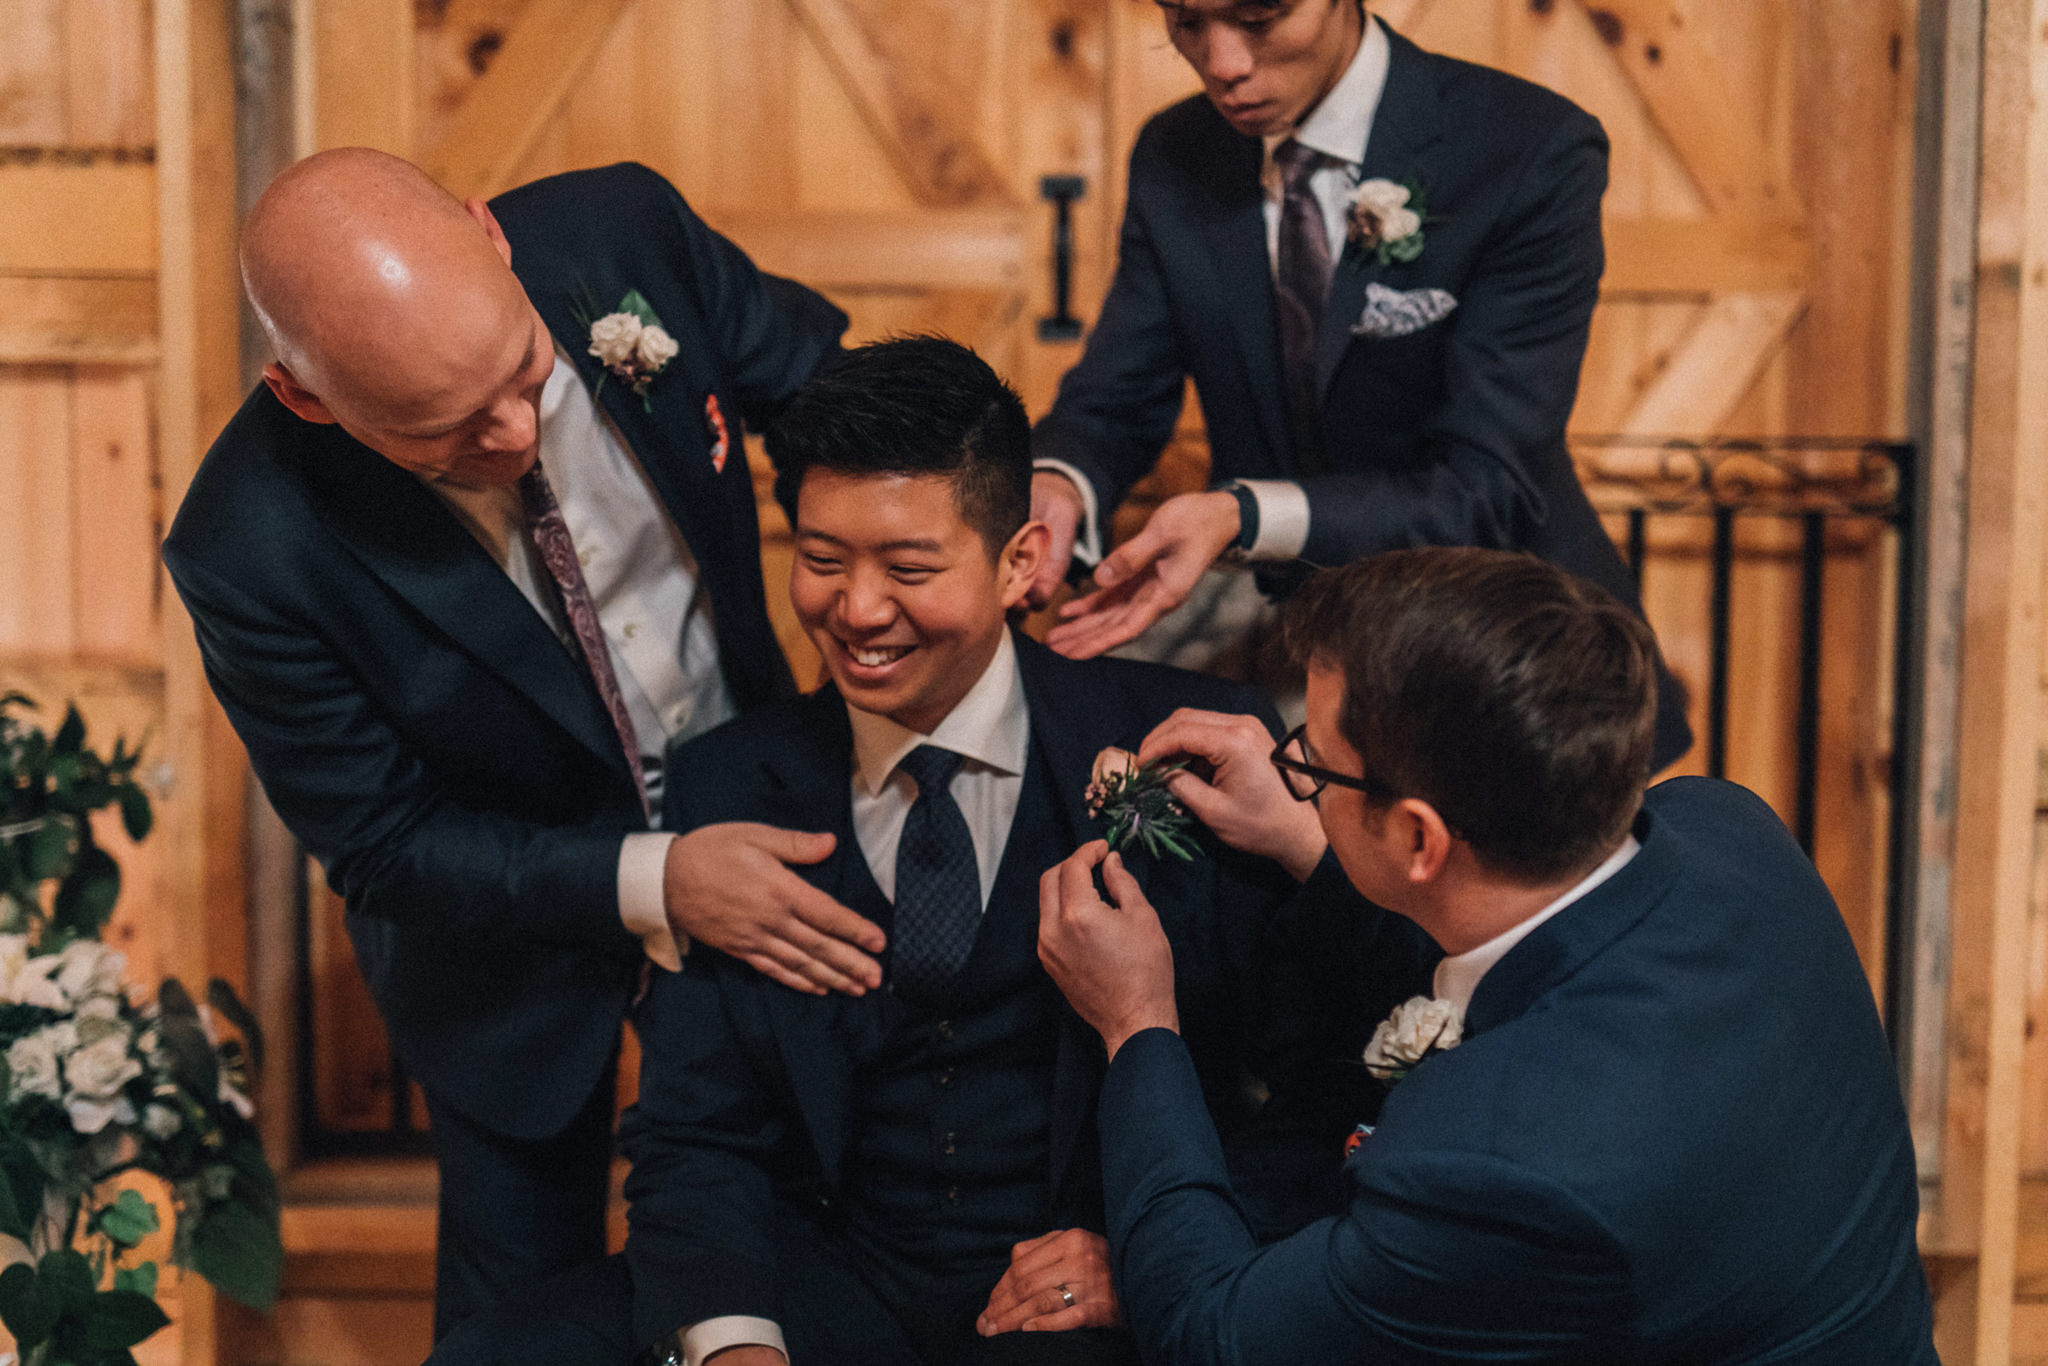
{"type": "Point", "coordinates": [359, 1272]}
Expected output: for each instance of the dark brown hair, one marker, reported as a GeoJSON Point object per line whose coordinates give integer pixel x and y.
{"type": "Point", "coordinates": [1516, 699]}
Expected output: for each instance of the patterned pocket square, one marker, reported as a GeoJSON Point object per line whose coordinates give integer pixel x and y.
{"type": "Point", "coordinates": [1396, 313]}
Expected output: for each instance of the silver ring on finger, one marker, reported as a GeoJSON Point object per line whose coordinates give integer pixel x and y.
{"type": "Point", "coordinates": [1066, 1294]}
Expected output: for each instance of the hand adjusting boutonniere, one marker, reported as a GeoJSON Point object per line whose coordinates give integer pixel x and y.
{"type": "Point", "coordinates": [1136, 806]}
{"type": "Point", "coordinates": [1419, 1026]}
{"type": "Point", "coordinates": [632, 345]}
{"type": "Point", "coordinates": [1385, 218]}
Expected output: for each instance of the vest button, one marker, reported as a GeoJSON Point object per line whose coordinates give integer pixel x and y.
{"type": "Point", "coordinates": [944, 1029]}
{"type": "Point", "coordinates": [952, 1195]}
{"type": "Point", "coordinates": [950, 1144]}
{"type": "Point", "coordinates": [945, 1078]}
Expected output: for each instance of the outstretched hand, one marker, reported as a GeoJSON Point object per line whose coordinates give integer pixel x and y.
{"type": "Point", "coordinates": [1149, 575]}
{"type": "Point", "coordinates": [1056, 1281]}
{"type": "Point", "coordinates": [730, 886]}
{"type": "Point", "coordinates": [1245, 802]}
{"type": "Point", "coordinates": [1110, 958]}
{"type": "Point", "coordinates": [1057, 503]}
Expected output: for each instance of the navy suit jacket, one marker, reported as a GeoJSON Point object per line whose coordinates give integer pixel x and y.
{"type": "Point", "coordinates": [1673, 1133]}
{"type": "Point", "coordinates": [1452, 435]}
{"type": "Point", "coordinates": [417, 724]}
{"type": "Point", "coordinates": [746, 1086]}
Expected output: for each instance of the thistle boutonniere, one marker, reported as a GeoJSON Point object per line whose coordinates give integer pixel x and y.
{"type": "Point", "coordinates": [1386, 217]}
{"type": "Point", "coordinates": [1136, 806]}
{"type": "Point", "coordinates": [632, 345]}
{"type": "Point", "coordinates": [1419, 1026]}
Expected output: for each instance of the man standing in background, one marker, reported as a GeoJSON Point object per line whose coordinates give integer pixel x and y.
{"type": "Point", "coordinates": [1379, 266]}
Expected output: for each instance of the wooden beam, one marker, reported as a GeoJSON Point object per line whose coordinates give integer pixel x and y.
{"type": "Point", "coordinates": [1704, 256]}
{"type": "Point", "coordinates": [1719, 140]}
{"type": "Point", "coordinates": [353, 63]}
{"type": "Point", "coordinates": [932, 146]}
{"type": "Point", "coordinates": [544, 56]}
{"type": "Point", "coordinates": [78, 320]}
{"type": "Point", "coordinates": [92, 219]}
{"type": "Point", "coordinates": [1699, 383]}
{"type": "Point", "coordinates": [959, 248]}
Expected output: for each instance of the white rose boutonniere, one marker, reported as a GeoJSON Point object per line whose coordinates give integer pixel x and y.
{"type": "Point", "coordinates": [1419, 1026]}
{"type": "Point", "coordinates": [632, 345]}
{"type": "Point", "coordinates": [1385, 218]}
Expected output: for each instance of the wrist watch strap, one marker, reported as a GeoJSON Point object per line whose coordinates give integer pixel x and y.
{"type": "Point", "coordinates": [1247, 517]}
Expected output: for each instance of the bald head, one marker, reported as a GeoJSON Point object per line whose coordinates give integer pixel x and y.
{"type": "Point", "coordinates": [392, 307]}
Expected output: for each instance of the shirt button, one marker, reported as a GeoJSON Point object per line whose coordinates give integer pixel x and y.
{"type": "Point", "coordinates": [632, 630]}
{"type": "Point", "coordinates": [945, 1079]}
{"type": "Point", "coordinates": [944, 1029]}
{"type": "Point", "coordinates": [950, 1143]}
{"type": "Point", "coordinates": [583, 558]}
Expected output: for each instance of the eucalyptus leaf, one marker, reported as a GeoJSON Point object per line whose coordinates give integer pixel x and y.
{"type": "Point", "coordinates": [128, 1220]}
{"type": "Point", "coordinates": [140, 1278]}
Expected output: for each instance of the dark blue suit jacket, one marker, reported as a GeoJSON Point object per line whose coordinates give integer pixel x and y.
{"type": "Point", "coordinates": [1453, 435]}
{"type": "Point", "coordinates": [745, 1091]}
{"type": "Point", "coordinates": [418, 725]}
{"type": "Point", "coordinates": [1672, 1133]}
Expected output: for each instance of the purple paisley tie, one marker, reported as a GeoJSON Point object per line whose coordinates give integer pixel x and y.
{"type": "Point", "coordinates": [550, 532]}
{"type": "Point", "coordinates": [1301, 276]}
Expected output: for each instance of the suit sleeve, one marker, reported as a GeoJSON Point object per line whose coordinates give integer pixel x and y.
{"type": "Point", "coordinates": [1117, 407]}
{"type": "Point", "coordinates": [701, 1215]}
{"type": "Point", "coordinates": [359, 796]}
{"type": "Point", "coordinates": [1448, 1257]}
{"type": "Point", "coordinates": [1517, 339]}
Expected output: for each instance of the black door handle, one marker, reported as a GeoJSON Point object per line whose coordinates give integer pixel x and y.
{"type": "Point", "coordinates": [1062, 190]}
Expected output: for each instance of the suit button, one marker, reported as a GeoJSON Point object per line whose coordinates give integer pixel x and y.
{"type": "Point", "coordinates": [824, 1202]}
{"type": "Point", "coordinates": [953, 1195]}
{"type": "Point", "coordinates": [944, 1029]}
{"type": "Point", "coordinates": [950, 1144]}
{"type": "Point", "coordinates": [945, 1079]}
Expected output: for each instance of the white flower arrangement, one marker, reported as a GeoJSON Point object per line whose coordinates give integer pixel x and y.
{"type": "Point", "coordinates": [1419, 1026]}
{"type": "Point", "coordinates": [632, 345]}
{"type": "Point", "coordinates": [1385, 218]}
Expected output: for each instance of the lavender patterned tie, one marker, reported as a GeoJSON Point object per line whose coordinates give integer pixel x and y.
{"type": "Point", "coordinates": [1301, 276]}
{"type": "Point", "coordinates": [550, 532]}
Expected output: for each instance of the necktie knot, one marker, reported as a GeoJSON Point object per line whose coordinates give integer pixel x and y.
{"type": "Point", "coordinates": [931, 768]}
{"type": "Point", "coordinates": [1297, 162]}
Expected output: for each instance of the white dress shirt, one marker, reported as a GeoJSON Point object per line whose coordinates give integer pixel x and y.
{"type": "Point", "coordinates": [1457, 977]}
{"type": "Point", "coordinates": [650, 601]}
{"type": "Point", "coordinates": [991, 728]}
{"type": "Point", "coordinates": [1338, 127]}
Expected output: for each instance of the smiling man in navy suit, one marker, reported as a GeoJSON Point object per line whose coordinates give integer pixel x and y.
{"type": "Point", "coordinates": [457, 582]}
{"type": "Point", "coordinates": [1649, 1115]}
{"type": "Point", "coordinates": [1378, 266]}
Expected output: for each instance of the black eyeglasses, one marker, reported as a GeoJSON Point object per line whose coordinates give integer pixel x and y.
{"type": "Point", "coordinates": [1305, 780]}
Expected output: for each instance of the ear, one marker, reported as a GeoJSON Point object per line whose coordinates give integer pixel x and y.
{"type": "Point", "coordinates": [1426, 837]}
{"type": "Point", "coordinates": [296, 396]}
{"type": "Point", "coordinates": [1021, 559]}
{"type": "Point", "coordinates": [488, 221]}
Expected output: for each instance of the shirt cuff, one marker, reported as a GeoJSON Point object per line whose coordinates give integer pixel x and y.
{"type": "Point", "coordinates": [1088, 540]}
{"type": "Point", "coordinates": [701, 1340]}
{"type": "Point", "coordinates": [643, 864]}
{"type": "Point", "coordinates": [1283, 518]}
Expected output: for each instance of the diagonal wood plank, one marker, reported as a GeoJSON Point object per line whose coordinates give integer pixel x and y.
{"type": "Point", "coordinates": [1703, 379]}
{"type": "Point", "coordinates": [543, 57]}
{"type": "Point", "coordinates": [1704, 256]}
{"type": "Point", "coordinates": [926, 137]}
{"type": "Point", "coordinates": [1684, 88]}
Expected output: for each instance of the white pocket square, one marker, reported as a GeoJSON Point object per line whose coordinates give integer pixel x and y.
{"type": "Point", "coordinates": [1396, 313]}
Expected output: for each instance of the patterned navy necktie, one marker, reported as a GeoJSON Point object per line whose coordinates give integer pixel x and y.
{"type": "Point", "coordinates": [1301, 279]}
{"type": "Point", "coordinates": [938, 882]}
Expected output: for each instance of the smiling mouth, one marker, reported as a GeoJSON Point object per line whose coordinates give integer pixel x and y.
{"type": "Point", "coordinates": [875, 656]}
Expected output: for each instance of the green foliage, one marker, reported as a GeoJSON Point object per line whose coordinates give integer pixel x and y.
{"type": "Point", "coordinates": [127, 1221]}
{"type": "Point", "coordinates": [239, 1252]}
{"type": "Point", "coordinates": [1136, 807]}
{"type": "Point", "coordinates": [50, 786]}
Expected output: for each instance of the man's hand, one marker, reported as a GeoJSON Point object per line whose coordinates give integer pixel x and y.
{"type": "Point", "coordinates": [728, 885]}
{"type": "Point", "coordinates": [1111, 959]}
{"type": "Point", "coordinates": [1029, 1297]}
{"type": "Point", "coordinates": [1247, 802]}
{"type": "Point", "coordinates": [1057, 503]}
{"type": "Point", "coordinates": [1149, 575]}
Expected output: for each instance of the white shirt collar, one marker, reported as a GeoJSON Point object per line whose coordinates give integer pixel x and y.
{"type": "Point", "coordinates": [1457, 977]}
{"type": "Point", "coordinates": [990, 726]}
{"type": "Point", "coordinates": [1342, 120]}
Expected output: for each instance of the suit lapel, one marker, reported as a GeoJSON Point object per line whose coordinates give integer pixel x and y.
{"type": "Point", "coordinates": [1234, 230]}
{"type": "Point", "coordinates": [1556, 949]}
{"type": "Point", "coordinates": [1407, 124]}
{"type": "Point", "coordinates": [405, 535]}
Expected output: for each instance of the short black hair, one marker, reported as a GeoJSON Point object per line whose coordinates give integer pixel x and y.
{"type": "Point", "coordinates": [1516, 699]}
{"type": "Point", "coordinates": [912, 405]}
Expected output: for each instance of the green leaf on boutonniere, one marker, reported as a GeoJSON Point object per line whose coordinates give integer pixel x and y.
{"type": "Point", "coordinates": [636, 304]}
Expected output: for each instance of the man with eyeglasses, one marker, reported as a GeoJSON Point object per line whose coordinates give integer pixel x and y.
{"type": "Point", "coordinates": [1650, 1114]}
